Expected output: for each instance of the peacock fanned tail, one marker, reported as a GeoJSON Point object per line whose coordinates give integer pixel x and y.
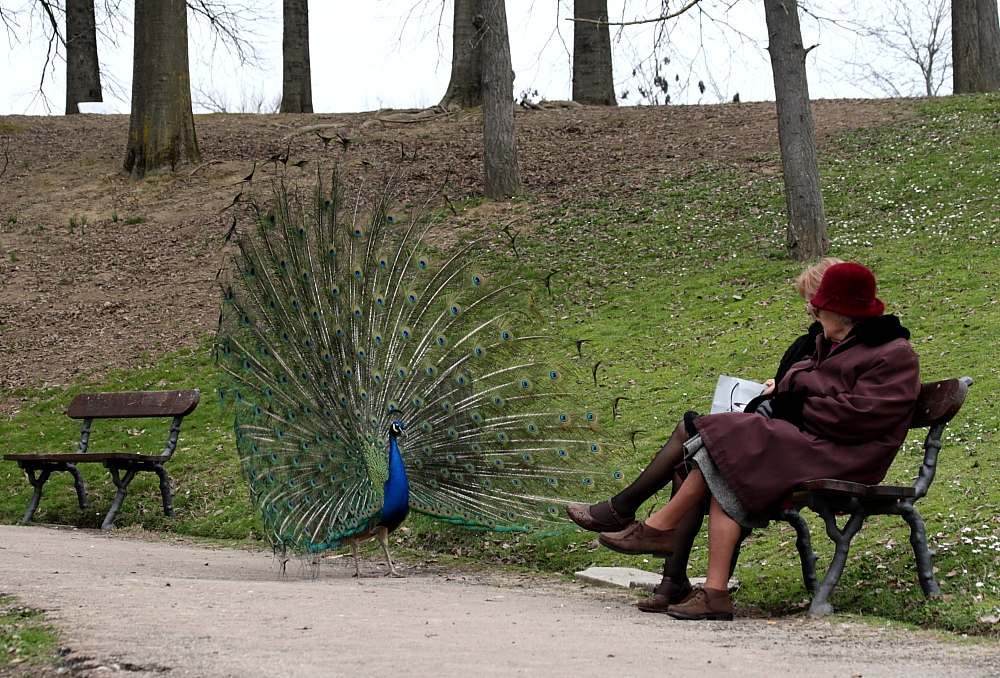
{"type": "Point", "coordinates": [339, 320]}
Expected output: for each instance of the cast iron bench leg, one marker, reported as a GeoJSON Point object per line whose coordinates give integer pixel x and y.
{"type": "Point", "coordinates": [81, 491]}
{"type": "Point", "coordinates": [820, 606]}
{"type": "Point", "coordinates": [122, 485]}
{"type": "Point", "coordinates": [168, 496]}
{"type": "Point", "coordinates": [922, 554]}
{"type": "Point", "coordinates": [803, 542]}
{"type": "Point", "coordinates": [37, 496]}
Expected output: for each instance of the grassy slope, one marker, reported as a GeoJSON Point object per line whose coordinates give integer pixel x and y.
{"type": "Point", "coordinates": [25, 638]}
{"type": "Point", "coordinates": [695, 273]}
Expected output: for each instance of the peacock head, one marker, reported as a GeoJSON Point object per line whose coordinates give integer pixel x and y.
{"type": "Point", "coordinates": [377, 461]}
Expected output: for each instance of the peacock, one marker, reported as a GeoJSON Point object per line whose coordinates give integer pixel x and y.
{"type": "Point", "coordinates": [370, 374]}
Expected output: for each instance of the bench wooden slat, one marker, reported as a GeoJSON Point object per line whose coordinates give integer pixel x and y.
{"type": "Point", "coordinates": [73, 458]}
{"type": "Point", "coordinates": [890, 492]}
{"type": "Point", "coordinates": [845, 488]}
{"type": "Point", "coordinates": [839, 487]}
{"type": "Point", "coordinates": [134, 404]}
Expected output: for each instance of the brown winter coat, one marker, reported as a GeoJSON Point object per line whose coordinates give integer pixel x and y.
{"type": "Point", "coordinates": [848, 412]}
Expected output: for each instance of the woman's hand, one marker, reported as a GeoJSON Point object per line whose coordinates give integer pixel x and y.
{"type": "Point", "coordinates": [770, 387]}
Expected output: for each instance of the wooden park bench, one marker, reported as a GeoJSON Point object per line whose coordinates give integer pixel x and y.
{"type": "Point", "coordinates": [939, 401]}
{"type": "Point", "coordinates": [90, 406]}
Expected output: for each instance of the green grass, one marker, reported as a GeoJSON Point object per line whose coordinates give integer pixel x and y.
{"type": "Point", "coordinates": [673, 287]}
{"type": "Point", "coordinates": [25, 638]}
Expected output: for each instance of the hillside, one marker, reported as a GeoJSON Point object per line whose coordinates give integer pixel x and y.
{"type": "Point", "coordinates": [99, 271]}
{"type": "Point", "coordinates": [666, 226]}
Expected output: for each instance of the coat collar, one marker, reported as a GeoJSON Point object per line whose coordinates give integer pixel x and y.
{"type": "Point", "coordinates": [870, 332]}
{"type": "Point", "coordinates": [880, 330]}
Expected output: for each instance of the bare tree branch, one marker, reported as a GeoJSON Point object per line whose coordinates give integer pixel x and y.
{"type": "Point", "coordinates": [9, 19]}
{"type": "Point", "coordinates": [229, 24]}
{"type": "Point", "coordinates": [5, 149]}
{"type": "Point", "coordinates": [50, 13]}
{"type": "Point", "coordinates": [900, 36]}
{"type": "Point", "coordinates": [637, 22]}
{"type": "Point", "coordinates": [55, 40]}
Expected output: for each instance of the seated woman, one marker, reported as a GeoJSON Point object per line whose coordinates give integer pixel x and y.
{"type": "Point", "coordinates": [842, 414]}
{"type": "Point", "coordinates": [675, 586]}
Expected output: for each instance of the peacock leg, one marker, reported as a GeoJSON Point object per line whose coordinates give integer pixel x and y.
{"type": "Point", "coordinates": [383, 537]}
{"type": "Point", "coordinates": [357, 560]}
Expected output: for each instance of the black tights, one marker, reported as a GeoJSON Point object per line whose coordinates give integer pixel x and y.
{"type": "Point", "coordinates": [653, 479]}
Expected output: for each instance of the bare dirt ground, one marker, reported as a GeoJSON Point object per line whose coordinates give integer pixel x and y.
{"type": "Point", "coordinates": [99, 271]}
{"type": "Point", "coordinates": [159, 608]}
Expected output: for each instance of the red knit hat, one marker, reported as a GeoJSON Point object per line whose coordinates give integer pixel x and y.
{"type": "Point", "coordinates": [848, 289]}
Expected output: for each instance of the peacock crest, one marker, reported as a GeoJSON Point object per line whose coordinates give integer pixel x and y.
{"type": "Point", "coordinates": [370, 374]}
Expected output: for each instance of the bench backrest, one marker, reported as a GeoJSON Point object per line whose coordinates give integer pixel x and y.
{"type": "Point", "coordinates": [134, 404]}
{"type": "Point", "coordinates": [939, 401]}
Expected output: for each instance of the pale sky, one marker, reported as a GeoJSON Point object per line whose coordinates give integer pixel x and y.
{"type": "Point", "coordinates": [367, 55]}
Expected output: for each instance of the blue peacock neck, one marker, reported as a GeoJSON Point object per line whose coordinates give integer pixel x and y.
{"type": "Point", "coordinates": [396, 503]}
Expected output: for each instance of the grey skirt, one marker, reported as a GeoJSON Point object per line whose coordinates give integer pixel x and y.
{"type": "Point", "coordinates": [696, 455]}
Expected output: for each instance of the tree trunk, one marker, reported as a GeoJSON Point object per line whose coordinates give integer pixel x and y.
{"type": "Point", "coordinates": [592, 80]}
{"type": "Point", "coordinates": [502, 176]}
{"type": "Point", "coordinates": [989, 42]}
{"type": "Point", "coordinates": [975, 46]}
{"type": "Point", "coordinates": [83, 71]}
{"type": "Point", "coordinates": [296, 91]}
{"type": "Point", "coordinates": [807, 237]}
{"type": "Point", "coordinates": [161, 129]}
{"type": "Point", "coordinates": [463, 89]}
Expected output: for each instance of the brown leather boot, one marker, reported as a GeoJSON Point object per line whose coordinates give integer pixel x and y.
{"type": "Point", "coordinates": [581, 515]}
{"type": "Point", "coordinates": [667, 593]}
{"type": "Point", "coordinates": [640, 538]}
{"type": "Point", "coordinates": [704, 604]}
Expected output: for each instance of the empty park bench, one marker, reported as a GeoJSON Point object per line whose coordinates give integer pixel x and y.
{"type": "Point", "coordinates": [90, 406]}
{"type": "Point", "coordinates": [939, 401]}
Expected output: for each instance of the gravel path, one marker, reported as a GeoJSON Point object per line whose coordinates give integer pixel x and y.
{"type": "Point", "coordinates": [165, 609]}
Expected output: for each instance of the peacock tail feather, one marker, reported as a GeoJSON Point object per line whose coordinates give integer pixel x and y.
{"type": "Point", "coordinates": [338, 321]}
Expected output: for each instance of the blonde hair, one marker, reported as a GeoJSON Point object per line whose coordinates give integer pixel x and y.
{"type": "Point", "coordinates": [808, 282]}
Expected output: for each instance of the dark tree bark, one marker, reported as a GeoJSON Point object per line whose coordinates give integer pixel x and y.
{"type": "Point", "coordinates": [807, 236]}
{"type": "Point", "coordinates": [83, 72]}
{"type": "Point", "coordinates": [503, 177]}
{"type": "Point", "coordinates": [975, 46]}
{"type": "Point", "coordinates": [161, 129]}
{"type": "Point", "coordinates": [592, 80]}
{"type": "Point", "coordinates": [989, 40]}
{"type": "Point", "coordinates": [296, 91]}
{"type": "Point", "coordinates": [463, 89]}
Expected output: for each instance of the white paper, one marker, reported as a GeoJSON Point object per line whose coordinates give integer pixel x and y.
{"type": "Point", "coordinates": [732, 394]}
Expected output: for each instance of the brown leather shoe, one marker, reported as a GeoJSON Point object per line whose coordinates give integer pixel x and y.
{"type": "Point", "coordinates": [640, 538]}
{"type": "Point", "coordinates": [580, 514]}
{"type": "Point", "coordinates": [661, 600]}
{"type": "Point", "coordinates": [704, 604]}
